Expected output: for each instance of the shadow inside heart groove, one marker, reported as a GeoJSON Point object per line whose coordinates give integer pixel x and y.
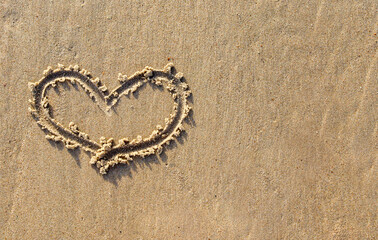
{"type": "Point", "coordinates": [107, 153]}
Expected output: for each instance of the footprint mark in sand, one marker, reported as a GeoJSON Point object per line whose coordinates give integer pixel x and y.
{"type": "Point", "coordinates": [107, 153]}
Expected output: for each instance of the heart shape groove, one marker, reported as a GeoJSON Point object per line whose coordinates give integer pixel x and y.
{"type": "Point", "coordinates": [107, 153]}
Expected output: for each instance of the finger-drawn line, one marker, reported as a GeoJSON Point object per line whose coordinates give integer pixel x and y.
{"type": "Point", "coordinates": [107, 153]}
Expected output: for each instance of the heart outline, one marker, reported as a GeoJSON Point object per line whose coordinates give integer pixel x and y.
{"type": "Point", "coordinates": [107, 154]}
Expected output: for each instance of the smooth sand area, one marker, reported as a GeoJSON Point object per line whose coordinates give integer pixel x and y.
{"type": "Point", "coordinates": [281, 142]}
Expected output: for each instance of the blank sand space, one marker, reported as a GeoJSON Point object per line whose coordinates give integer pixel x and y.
{"type": "Point", "coordinates": [282, 143]}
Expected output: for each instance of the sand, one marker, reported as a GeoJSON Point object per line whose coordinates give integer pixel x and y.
{"type": "Point", "coordinates": [281, 141]}
{"type": "Point", "coordinates": [107, 153]}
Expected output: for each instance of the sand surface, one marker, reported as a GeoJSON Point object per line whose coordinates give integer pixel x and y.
{"type": "Point", "coordinates": [281, 142]}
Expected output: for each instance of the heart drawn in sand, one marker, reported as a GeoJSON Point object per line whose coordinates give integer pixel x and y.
{"type": "Point", "coordinates": [107, 153]}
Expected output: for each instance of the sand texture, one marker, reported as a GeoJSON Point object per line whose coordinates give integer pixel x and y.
{"type": "Point", "coordinates": [255, 119]}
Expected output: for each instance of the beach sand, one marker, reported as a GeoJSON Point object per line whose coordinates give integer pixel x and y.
{"type": "Point", "coordinates": [281, 142]}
